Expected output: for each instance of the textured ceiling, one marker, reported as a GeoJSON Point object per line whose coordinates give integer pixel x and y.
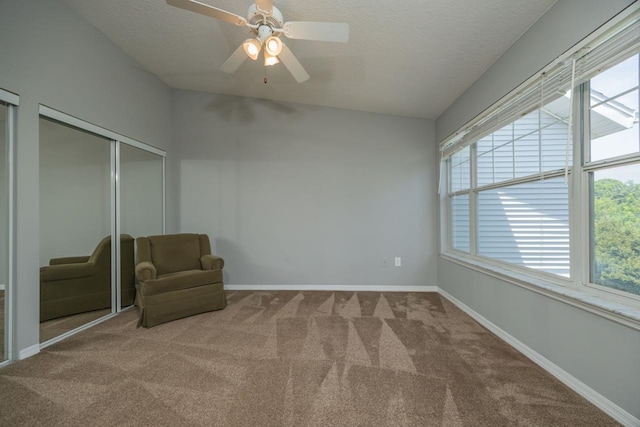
{"type": "Point", "coordinates": [405, 57]}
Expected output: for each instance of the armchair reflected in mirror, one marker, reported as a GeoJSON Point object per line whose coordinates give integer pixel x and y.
{"type": "Point", "coordinates": [76, 290]}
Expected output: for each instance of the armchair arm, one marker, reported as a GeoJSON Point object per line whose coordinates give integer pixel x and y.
{"type": "Point", "coordinates": [211, 262]}
{"type": "Point", "coordinates": [52, 273]}
{"type": "Point", "coordinates": [68, 260]}
{"type": "Point", "coordinates": [145, 270]}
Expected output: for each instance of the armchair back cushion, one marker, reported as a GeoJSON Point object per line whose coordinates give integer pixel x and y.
{"type": "Point", "coordinates": [175, 252]}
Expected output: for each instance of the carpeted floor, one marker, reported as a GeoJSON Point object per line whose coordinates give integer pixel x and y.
{"type": "Point", "coordinates": [292, 359]}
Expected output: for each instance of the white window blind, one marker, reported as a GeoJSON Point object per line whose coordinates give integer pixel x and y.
{"type": "Point", "coordinates": [552, 83]}
{"type": "Point", "coordinates": [460, 176]}
{"type": "Point", "coordinates": [618, 45]}
{"type": "Point", "coordinates": [533, 144]}
{"type": "Point", "coordinates": [547, 88]}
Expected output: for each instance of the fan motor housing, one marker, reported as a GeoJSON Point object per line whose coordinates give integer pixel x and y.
{"type": "Point", "coordinates": [275, 20]}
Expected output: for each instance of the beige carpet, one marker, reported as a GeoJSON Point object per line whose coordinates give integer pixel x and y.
{"type": "Point", "coordinates": [292, 359]}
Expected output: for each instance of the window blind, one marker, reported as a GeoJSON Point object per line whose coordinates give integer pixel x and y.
{"type": "Point", "coordinates": [613, 48]}
{"type": "Point", "coordinates": [608, 49]}
{"type": "Point", "coordinates": [547, 87]}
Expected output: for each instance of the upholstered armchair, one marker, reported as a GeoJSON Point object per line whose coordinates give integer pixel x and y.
{"type": "Point", "coordinates": [79, 284]}
{"type": "Point", "coordinates": [178, 277]}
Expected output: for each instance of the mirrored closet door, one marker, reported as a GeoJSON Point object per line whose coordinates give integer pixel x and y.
{"type": "Point", "coordinates": [4, 230]}
{"type": "Point", "coordinates": [75, 228]}
{"type": "Point", "coordinates": [95, 184]}
{"type": "Point", "coordinates": [141, 190]}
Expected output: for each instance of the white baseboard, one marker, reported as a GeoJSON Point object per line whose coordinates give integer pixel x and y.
{"type": "Point", "coordinates": [360, 288]}
{"type": "Point", "coordinates": [29, 351]}
{"type": "Point", "coordinates": [615, 411]}
{"type": "Point", "coordinates": [2, 286]}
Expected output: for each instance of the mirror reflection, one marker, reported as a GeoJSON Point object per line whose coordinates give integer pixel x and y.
{"type": "Point", "coordinates": [141, 198]}
{"type": "Point", "coordinates": [75, 228]}
{"type": "Point", "coordinates": [4, 230]}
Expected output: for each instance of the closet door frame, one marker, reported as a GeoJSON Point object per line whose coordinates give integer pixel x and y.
{"type": "Point", "coordinates": [115, 197]}
{"type": "Point", "coordinates": [11, 101]}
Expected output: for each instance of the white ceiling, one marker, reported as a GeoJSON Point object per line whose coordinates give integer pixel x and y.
{"type": "Point", "coordinates": [405, 57]}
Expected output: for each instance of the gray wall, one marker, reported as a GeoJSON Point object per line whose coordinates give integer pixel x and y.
{"type": "Point", "coordinates": [51, 56]}
{"type": "Point", "coordinates": [300, 195]}
{"type": "Point", "coordinates": [602, 354]}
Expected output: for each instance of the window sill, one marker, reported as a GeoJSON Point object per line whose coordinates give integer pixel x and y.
{"type": "Point", "coordinates": [596, 304]}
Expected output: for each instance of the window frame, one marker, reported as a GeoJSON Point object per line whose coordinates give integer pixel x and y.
{"type": "Point", "coordinates": [587, 168]}
{"type": "Point", "coordinates": [474, 192]}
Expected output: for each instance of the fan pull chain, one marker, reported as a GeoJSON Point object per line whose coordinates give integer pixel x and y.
{"type": "Point", "coordinates": [265, 74]}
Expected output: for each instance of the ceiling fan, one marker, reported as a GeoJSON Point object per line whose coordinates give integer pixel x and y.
{"type": "Point", "coordinates": [267, 24]}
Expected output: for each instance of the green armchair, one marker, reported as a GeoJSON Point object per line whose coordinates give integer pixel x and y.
{"type": "Point", "coordinates": [178, 277]}
{"type": "Point", "coordinates": [75, 285]}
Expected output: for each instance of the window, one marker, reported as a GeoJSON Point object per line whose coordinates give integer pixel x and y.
{"type": "Point", "coordinates": [614, 178]}
{"type": "Point", "coordinates": [460, 182]}
{"type": "Point", "coordinates": [521, 210]}
{"type": "Point", "coordinates": [460, 170]}
{"type": "Point", "coordinates": [526, 224]}
{"type": "Point", "coordinates": [615, 224]}
{"type": "Point", "coordinates": [530, 145]}
{"type": "Point", "coordinates": [517, 198]}
{"type": "Point", "coordinates": [614, 100]}
{"type": "Point", "coordinates": [460, 232]}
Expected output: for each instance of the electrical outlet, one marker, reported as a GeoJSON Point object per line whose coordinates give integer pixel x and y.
{"type": "Point", "coordinates": [385, 262]}
{"type": "Point", "coordinates": [398, 261]}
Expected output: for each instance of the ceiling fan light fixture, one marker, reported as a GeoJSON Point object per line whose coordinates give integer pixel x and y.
{"type": "Point", "coordinates": [264, 32]}
{"type": "Point", "coordinates": [270, 59]}
{"type": "Point", "coordinates": [267, 24]}
{"type": "Point", "coordinates": [273, 46]}
{"type": "Point", "coordinates": [252, 48]}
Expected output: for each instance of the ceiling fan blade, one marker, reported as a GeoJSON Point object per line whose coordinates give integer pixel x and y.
{"type": "Point", "coordinates": [234, 61]}
{"type": "Point", "coordinates": [265, 6]}
{"type": "Point", "coordinates": [321, 31]}
{"type": "Point", "coordinates": [205, 9]}
{"type": "Point", "coordinates": [293, 65]}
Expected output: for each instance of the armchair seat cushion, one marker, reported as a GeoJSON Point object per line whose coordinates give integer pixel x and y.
{"type": "Point", "coordinates": [180, 280]}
